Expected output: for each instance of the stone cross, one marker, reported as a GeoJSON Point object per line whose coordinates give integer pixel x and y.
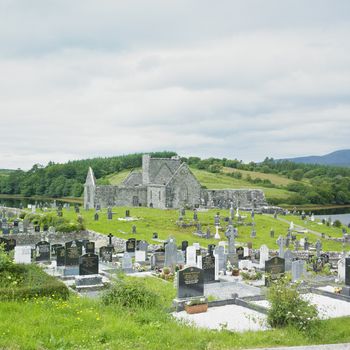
{"type": "Point", "coordinates": [280, 243]}
{"type": "Point", "coordinates": [231, 240]}
{"type": "Point", "coordinates": [110, 239]}
{"type": "Point", "coordinates": [195, 215]}
{"type": "Point", "coordinates": [232, 213]}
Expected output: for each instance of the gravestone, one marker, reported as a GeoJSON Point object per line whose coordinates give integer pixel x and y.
{"type": "Point", "coordinates": [155, 235]}
{"type": "Point", "coordinates": [127, 263]}
{"type": "Point", "coordinates": [264, 255]}
{"type": "Point", "coordinates": [288, 258]}
{"type": "Point", "coordinates": [88, 264]}
{"type": "Point", "coordinates": [157, 260]}
{"type": "Point", "coordinates": [180, 260]}
{"type": "Point", "coordinates": [143, 246]}
{"type": "Point", "coordinates": [190, 283]}
{"type": "Point", "coordinates": [347, 271]}
{"type": "Point", "coordinates": [298, 269]}
{"type": "Point", "coordinates": [127, 213]}
{"type": "Point", "coordinates": [184, 245]}
{"type": "Point", "coordinates": [170, 254]}
{"type": "Point", "coordinates": [60, 256]}
{"type": "Point", "coordinates": [208, 266]}
{"type": "Point", "coordinates": [133, 229]}
{"type": "Point", "coordinates": [211, 248]}
{"type": "Point", "coordinates": [253, 234]}
{"type": "Point", "coordinates": [341, 270]}
{"type": "Point", "coordinates": [73, 251]}
{"type": "Point", "coordinates": [220, 258]}
{"type": "Point", "coordinates": [106, 253]}
{"type": "Point", "coordinates": [275, 267]}
{"type": "Point", "coordinates": [191, 256]}
{"type": "Point", "coordinates": [42, 251]}
{"type": "Point", "coordinates": [37, 228]}
{"type": "Point", "coordinates": [318, 247]}
{"type": "Point", "coordinates": [96, 216]}
{"type": "Point", "coordinates": [140, 256]}
{"type": "Point", "coordinates": [280, 242]}
{"type": "Point", "coordinates": [23, 254]}
{"type": "Point", "coordinates": [130, 246]}
{"type": "Point", "coordinates": [54, 248]}
{"type": "Point", "coordinates": [90, 247]}
{"type": "Point", "coordinates": [240, 252]}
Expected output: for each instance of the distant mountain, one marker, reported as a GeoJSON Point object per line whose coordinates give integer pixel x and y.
{"type": "Point", "coordinates": [338, 158]}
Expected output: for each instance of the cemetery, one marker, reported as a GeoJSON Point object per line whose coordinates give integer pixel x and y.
{"type": "Point", "coordinates": [219, 273]}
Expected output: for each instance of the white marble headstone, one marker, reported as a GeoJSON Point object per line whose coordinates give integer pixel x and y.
{"type": "Point", "coordinates": [264, 255]}
{"type": "Point", "coordinates": [191, 256]}
{"type": "Point", "coordinates": [23, 254]}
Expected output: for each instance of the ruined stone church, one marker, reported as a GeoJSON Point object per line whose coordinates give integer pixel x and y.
{"type": "Point", "coordinates": [165, 183]}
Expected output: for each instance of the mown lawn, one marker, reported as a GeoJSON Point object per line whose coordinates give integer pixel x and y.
{"type": "Point", "coordinates": [81, 323]}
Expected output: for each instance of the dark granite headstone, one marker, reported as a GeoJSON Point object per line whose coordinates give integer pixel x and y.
{"type": "Point", "coordinates": [37, 228]}
{"type": "Point", "coordinates": [190, 283]}
{"type": "Point", "coordinates": [347, 271]}
{"type": "Point", "coordinates": [275, 267]}
{"type": "Point", "coordinates": [240, 252]}
{"type": "Point", "coordinates": [96, 216]}
{"type": "Point", "coordinates": [74, 250]}
{"type": "Point", "coordinates": [184, 245]}
{"type": "Point", "coordinates": [54, 248]}
{"type": "Point", "coordinates": [208, 266]}
{"type": "Point", "coordinates": [60, 256]}
{"type": "Point", "coordinates": [211, 248]}
{"type": "Point", "coordinates": [127, 213]}
{"type": "Point", "coordinates": [130, 245]}
{"type": "Point", "coordinates": [88, 264]}
{"type": "Point", "coordinates": [155, 235]}
{"type": "Point", "coordinates": [42, 251]}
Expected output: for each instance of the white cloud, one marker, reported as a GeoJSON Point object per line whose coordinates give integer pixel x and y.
{"type": "Point", "coordinates": [106, 80]}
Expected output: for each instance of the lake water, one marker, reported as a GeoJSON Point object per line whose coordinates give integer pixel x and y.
{"type": "Point", "coordinates": [343, 218]}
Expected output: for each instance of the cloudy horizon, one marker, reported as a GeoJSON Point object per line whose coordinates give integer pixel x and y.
{"type": "Point", "coordinates": [240, 80]}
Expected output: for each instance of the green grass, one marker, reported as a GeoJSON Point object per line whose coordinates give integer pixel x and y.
{"type": "Point", "coordinates": [81, 323]}
{"type": "Point", "coordinates": [117, 178]}
{"type": "Point", "coordinates": [274, 178]}
{"type": "Point", "coordinates": [164, 223]}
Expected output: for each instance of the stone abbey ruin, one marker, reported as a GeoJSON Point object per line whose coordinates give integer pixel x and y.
{"type": "Point", "coordinates": [166, 183]}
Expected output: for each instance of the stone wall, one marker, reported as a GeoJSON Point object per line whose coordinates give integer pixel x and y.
{"type": "Point", "coordinates": [240, 198]}
{"type": "Point", "coordinates": [121, 196]}
{"type": "Point", "coordinates": [156, 196]}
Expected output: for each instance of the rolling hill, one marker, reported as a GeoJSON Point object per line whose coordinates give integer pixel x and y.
{"type": "Point", "coordinates": [337, 158]}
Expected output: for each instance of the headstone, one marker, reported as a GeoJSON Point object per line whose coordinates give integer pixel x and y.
{"type": "Point", "coordinates": [220, 258]}
{"type": "Point", "coordinates": [90, 247]}
{"type": "Point", "coordinates": [280, 242]}
{"type": "Point", "coordinates": [127, 263]}
{"type": "Point", "coordinates": [318, 247]}
{"type": "Point", "coordinates": [155, 235]}
{"type": "Point", "coordinates": [170, 255]}
{"type": "Point", "coordinates": [23, 254]}
{"type": "Point", "coordinates": [298, 269]}
{"type": "Point", "coordinates": [60, 256]}
{"type": "Point", "coordinates": [341, 270]}
{"type": "Point", "coordinates": [42, 251]}
{"type": "Point", "coordinates": [264, 255]}
{"type": "Point", "coordinates": [130, 245]}
{"type": "Point", "coordinates": [88, 264]}
{"type": "Point", "coordinates": [143, 246]}
{"type": "Point", "coordinates": [347, 271]}
{"type": "Point", "coordinates": [157, 260]}
{"type": "Point", "coordinates": [208, 266]}
{"type": "Point", "coordinates": [73, 251]}
{"type": "Point", "coordinates": [240, 252]}
{"type": "Point", "coordinates": [190, 283]}
{"type": "Point", "coordinates": [96, 216]}
{"type": "Point", "coordinates": [275, 268]}
{"type": "Point", "coordinates": [133, 229]}
{"type": "Point", "coordinates": [127, 213]}
{"type": "Point", "coordinates": [54, 249]}
{"type": "Point", "coordinates": [191, 256]}
{"type": "Point", "coordinates": [140, 256]}
{"type": "Point", "coordinates": [180, 259]}
{"type": "Point", "coordinates": [106, 253]}
{"type": "Point", "coordinates": [184, 245]}
{"type": "Point", "coordinates": [288, 258]}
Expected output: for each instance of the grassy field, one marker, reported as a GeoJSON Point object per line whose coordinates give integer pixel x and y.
{"type": "Point", "coordinates": [164, 223]}
{"type": "Point", "coordinates": [81, 323]}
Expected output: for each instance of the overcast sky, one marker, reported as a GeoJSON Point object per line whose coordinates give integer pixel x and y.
{"type": "Point", "coordinates": [239, 79]}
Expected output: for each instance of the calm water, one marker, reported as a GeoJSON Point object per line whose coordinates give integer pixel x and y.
{"type": "Point", "coordinates": [343, 218]}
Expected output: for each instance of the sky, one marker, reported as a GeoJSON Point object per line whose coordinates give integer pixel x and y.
{"type": "Point", "coordinates": [237, 79]}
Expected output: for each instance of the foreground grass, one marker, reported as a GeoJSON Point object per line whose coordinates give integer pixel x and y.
{"type": "Point", "coordinates": [81, 323]}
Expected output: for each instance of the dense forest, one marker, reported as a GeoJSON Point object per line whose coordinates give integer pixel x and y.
{"type": "Point", "coordinates": [314, 184]}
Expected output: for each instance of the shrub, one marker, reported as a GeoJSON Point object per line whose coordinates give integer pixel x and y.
{"type": "Point", "coordinates": [289, 309]}
{"type": "Point", "coordinates": [5, 259]}
{"type": "Point", "coordinates": [131, 294]}
{"type": "Point", "coordinates": [29, 281]}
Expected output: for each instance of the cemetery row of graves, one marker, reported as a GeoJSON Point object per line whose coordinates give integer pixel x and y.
{"type": "Point", "coordinates": [210, 271]}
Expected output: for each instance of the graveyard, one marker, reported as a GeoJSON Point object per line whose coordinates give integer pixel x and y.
{"type": "Point", "coordinates": [130, 277]}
